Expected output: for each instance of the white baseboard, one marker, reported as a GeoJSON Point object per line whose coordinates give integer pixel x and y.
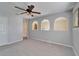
{"type": "Point", "coordinates": [8, 43]}
{"type": "Point", "coordinates": [3, 44]}
{"type": "Point", "coordinates": [75, 51]}
{"type": "Point", "coordinates": [53, 42]}
{"type": "Point", "coordinates": [14, 42]}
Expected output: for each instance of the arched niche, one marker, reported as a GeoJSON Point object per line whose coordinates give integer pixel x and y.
{"type": "Point", "coordinates": [61, 24]}
{"type": "Point", "coordinates": [45, 24]}
{"type": "Point", "coordinates": [35, 25]}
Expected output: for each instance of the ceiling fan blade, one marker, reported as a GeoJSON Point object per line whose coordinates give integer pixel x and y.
{"type": "Point", "coordinates": [19, 8]}
{"type": "Point", "coordinates": [36, 12]}
{"type": "Point", "coordinates": [23, 12]}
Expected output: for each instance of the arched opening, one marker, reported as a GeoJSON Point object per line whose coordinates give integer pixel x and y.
{"type": "Point", "coordinates": [61, 24]}
{"type": "Point", "coordinates": [35, 25]}
{"type": "Point", "coordinates": [45, 25]}
{"type": "Point", "coordinates": [76, 20]}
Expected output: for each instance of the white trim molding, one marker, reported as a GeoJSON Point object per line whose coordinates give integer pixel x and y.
{"type": "Point", "coordinates": [75, 51]}
{"type": "Point", "coordinates": [52, 42]}
{"type": "Point", "coordinates": [9, 43]}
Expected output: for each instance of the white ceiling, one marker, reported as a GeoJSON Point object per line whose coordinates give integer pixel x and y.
{"type": "Point", "coordinates": [7, 8]}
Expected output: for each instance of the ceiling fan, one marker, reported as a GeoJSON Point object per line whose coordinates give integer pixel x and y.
{"type": "Point", "coordinates": [28, 10]}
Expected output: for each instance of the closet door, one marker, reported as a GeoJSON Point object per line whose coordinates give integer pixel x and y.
{"type": "Point", "coordinates": [3, 30]}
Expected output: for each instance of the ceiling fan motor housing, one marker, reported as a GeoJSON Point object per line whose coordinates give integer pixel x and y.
{"type": "Point", "coordinates": [28, 10]}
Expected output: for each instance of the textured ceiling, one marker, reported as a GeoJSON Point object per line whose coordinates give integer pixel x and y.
{"type": "Point", "coordinates": [7, 8]}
